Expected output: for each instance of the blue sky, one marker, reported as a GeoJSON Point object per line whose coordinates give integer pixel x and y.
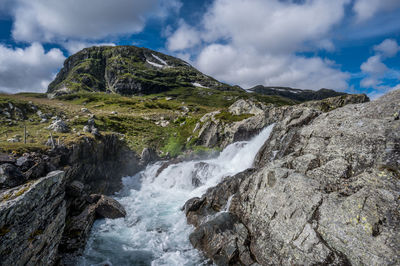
{"type": "Point", "coordinates": [346, 45]}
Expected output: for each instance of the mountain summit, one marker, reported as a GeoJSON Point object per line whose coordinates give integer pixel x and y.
{"type": "Point", "coordinates": [128, 70]}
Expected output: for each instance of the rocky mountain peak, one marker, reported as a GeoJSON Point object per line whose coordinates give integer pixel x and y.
{"type": "Point", "coordinates": [128, 70]}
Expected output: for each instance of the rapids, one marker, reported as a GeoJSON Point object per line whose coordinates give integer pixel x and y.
{"type": "Point", "coordinates": [155, 231]}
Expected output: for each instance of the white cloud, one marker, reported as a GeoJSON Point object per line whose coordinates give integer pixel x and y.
{"type": "Point", "coordinates": [57, 21]}
{"type": "Point", "coordinates": [375, 71]}
{"type": "Point", "coordinates": [29, 69]}
{"type": "Point", "coordinates": [247, 68]}
{"type": "Point", "coordinates": [366, 9]}
{"type": "Point", "coordinates": [387, 48]}
{"type": "Point", "coordinates": [184, 37]}
{"type": "Point", "coordinates": [260, 42]}
{"type": "Point", "coordinates": [376, 94]}
{"type": "Point", "coordinates": [374, 65]}
{"type": "Point", "coordinates": [274, 26]}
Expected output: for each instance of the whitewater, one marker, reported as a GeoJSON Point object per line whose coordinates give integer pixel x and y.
{"type": "Point", "coordinates": [155, 231]}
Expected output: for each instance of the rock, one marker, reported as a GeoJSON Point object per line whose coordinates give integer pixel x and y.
{"type": "Point", "coordinates": [85, 110]}
{"type": "Point", "coordinates": [224, 239]}
{"type": "Point", "coordinates": [242, 106]}
{"type": "Point", "coordinates": [59, 126]}
{"type": "Point", "coordinates": [162, 123]}
{"type": "Point", "coordinates": [10, 176]}
{"type": "Point", "coordinates": [76, 233]}
{"type": "Point", "coordinates": [215, 133]}
{"type": "Point", "coordinates": [24, 162]}
{"type": "Point", "coordinates": [107, 207]}
{"type": "Point", "coordinates": [148, 155]}
{"type": "Point", "coordinates": [6, 158]}
{"type": "Point", "coordinates": [185, 109]}
{"type": "Point", "coordinates": [75, 189]}
{"type": "Point", "coordinates": [95, 132]}
{"type": "Point", "coordinates": [14, 139]}
{"type": "Point", "coordinates": [114, 112]}
{"type": "Point", "coordinates": [166, 164]}
{"type": "Point", "coordinates": [42, 115]}
{"type": "Point", "coordinates": [91, 127]}
{"type": "Point", "coordinates": [32, 219]}
{"type": "Point", "coordinates": [198, 173]}
{"type": "Point", "coordinates": [39, 169]}
{"type": "Point", "coordinates": [324, 190]}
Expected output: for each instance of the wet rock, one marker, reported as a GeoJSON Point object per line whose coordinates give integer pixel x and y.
{"type": "Point", "coordinates": [198, 173]}
{"type": "Point", "coordinates": [107, 207]}
{"type": "Point", "coordinates": [148, 155]}
{"type": "Point", "coordinates": [167, 164]}
{"type": "Point", "coordinates": [10, 176]}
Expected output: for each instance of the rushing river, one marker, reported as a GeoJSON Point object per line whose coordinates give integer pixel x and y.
{"type": "Point", "coordinates": [155, 231]}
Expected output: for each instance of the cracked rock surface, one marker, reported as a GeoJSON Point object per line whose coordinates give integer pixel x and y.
{"type": "Point", "coordinates": [325, 189]}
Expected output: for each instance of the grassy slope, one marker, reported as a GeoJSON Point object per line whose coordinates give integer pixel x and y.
{"type": "Point", "coordinates": [136, 117]}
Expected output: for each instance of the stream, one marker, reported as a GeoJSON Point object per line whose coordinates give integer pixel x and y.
{"type": "Point", "coordinates": [155, 231]}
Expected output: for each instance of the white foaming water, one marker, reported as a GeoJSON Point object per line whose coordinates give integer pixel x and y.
{"type": "Point", "coordinates": [155, 231]}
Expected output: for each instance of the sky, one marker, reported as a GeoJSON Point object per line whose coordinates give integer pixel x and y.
{"type": "Point", "coordinates": [345, 45]}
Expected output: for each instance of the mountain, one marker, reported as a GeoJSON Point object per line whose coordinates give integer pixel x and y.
{"type": "Point", "coordinates": [296, 94]}
{"type": "Point", "coordinates": [128, 70]}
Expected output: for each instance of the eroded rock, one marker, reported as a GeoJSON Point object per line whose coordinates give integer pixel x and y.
{"type": "Point", "coordinates": [324, 192]}
{"type": "Point", "coordinates": [30, 235]}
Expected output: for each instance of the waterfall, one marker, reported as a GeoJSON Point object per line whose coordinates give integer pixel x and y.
{"type": "Point", "coordinates": [155, 231]}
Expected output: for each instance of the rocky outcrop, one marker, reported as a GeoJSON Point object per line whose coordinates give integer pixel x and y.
{"type": "Point", "coordinates": [325, 190]}
{"type": "Point", "coordinates": [61, 214]}
{"type": "Point", "coordinates": [32, 219]}
{"type": "Point", "coordinates": [213, 132]}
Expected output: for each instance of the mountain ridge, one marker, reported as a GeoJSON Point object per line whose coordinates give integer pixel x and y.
{"type": "Point", "coordinates": [296, 94]}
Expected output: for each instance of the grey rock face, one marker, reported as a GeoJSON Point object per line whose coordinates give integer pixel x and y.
{"type": "Point", "coordinates": [32, 218]}
{"type": "Point", "coordinates": [213, 132]}
{"type": "Point", "coordinates": [242, 106]}
{"type": "Point", "coordinates": [325, 191]}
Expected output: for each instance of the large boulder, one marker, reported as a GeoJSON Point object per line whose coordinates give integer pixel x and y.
{"type": "Point", "coordinates": [107, 207]}
{"type": "Point", "coordinates": [325, 191]}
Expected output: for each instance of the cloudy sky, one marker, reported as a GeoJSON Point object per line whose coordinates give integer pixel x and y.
{"type": "Point", "coordinates": [346, 45]}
